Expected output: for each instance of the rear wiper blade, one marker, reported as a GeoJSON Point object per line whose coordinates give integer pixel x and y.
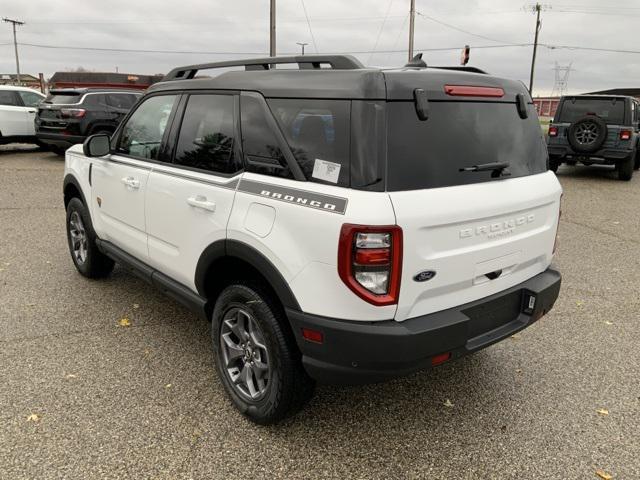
{"type": "Point", "coordinates": [495, 167]}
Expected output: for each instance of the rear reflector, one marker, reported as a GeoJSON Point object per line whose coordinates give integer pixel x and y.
{"type": "Point", "coordinates": [470, 91]}
{"type": "Point", "coordinates": [312, 335]}
{"type": "Point", "coordinates": [625, 134]}
{"type": "Point", "coordinates": [553, 131]}
{"type": "Point", "coordinates": [438, 359]}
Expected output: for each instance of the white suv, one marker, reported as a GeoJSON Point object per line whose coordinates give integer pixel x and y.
{"type": "Point", "coordinates": [336, 223]}
{"type": "Point", "coordinates": [18, 108]}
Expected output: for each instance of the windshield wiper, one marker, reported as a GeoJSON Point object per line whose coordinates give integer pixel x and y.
{"type": "Point", "coordinates": [496, 168]}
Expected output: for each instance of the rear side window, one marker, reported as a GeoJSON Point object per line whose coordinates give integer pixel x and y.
{"type": "Point", "coordinates": [142, 134]}
{"type": "Point", "coordinates": [457, 135]}
{"type": "Point", "coordinates": [30, 99]}
{"type": "Point", "coordinates": [7, 97]}
{"type": "Point", "coordinates": [207, 135]}
{"type": "Point", "coordinates": [611, 110]}
{"type": "Point", "coordinates": [94, 100]}
{"type": "Point", "coordinates": [259, 141]}
{"type": "Point", "coordinates": [120, 100]}
{"type": "Point", "coordinates": [317, 132]}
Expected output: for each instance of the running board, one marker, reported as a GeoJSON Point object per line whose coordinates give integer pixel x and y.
{"type": "Point", "coordinates": [167, 285]}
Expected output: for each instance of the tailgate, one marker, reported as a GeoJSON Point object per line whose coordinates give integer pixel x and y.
{"type": "Point", "coordinates": [479, 239]}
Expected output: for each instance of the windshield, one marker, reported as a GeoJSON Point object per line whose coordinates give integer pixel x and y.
{"type": "Point", "coordinates": [460, 135]}
{"type": "Point", "coordinates": [611, 110]}
{"type": "Point", "coordinates": [62, 99]}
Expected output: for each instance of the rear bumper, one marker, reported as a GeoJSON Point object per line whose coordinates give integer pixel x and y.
{"type": "Point", "coordinates": [604, 156]}
{"type": "Point", "coordinates": [59, 140]}
{"type": "Point", "coordinates": [364, 352]}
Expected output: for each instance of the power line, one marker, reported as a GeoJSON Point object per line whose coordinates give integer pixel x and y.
{"type": "Point", "coordinates": [453, 27]}
{"type": "Point", "coordinates": [375, 45]}
{"type": "Point", "coordinates": [315, 46]}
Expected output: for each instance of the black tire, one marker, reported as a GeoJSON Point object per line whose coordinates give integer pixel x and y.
{"type": "Point", "coordinates": [58, 150]}
{"type": "Point", "coordinates": [625, 168]}
{"type": "Point", "coordinates": [587, 134]}
{"type": "Point", "coordinates": [287, 387]}
{"type": "Point", "coordinates": [93, 264]}
{"type": "Point", "coordinates": [43, 147]}
{"type": "Point", "coordinates": [554, 164]}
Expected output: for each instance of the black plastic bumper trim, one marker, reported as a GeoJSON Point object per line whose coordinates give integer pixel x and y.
{"type": "Point", "coordinates": [356, 352]}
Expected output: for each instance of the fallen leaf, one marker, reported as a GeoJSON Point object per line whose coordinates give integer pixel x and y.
{"type": "Point", "coordinates": [616, 223]}
{"type": "Point", "coordinates": [604, 475]}
{"type": "Point", "coordinates": [147, 352]}
{"type": "Point", "coordinates": [448, 403]}
{"type": "Point", "coordinates": [516, 336]}
{"type": "Point", "coordinates": [603, 411]}
{"type": "Point", "coordinates": [70, 375]}
{"type": "Point", "coordinates": [608, 322]}
{"type": "Point", "coordinates": [168, 385]}
{"type": "Point", "coordinates": [34, 417]}
{"type": "Point", "coordinates": [518, 370]}
{"type": "Point", "coordinates": [124, 322]}
{"type": "Point", "coordinates": [136, 306]}
{"type": "Point", "coordinates": [48, 262]}
{"type": "Point", "coordinates": [579, 303]}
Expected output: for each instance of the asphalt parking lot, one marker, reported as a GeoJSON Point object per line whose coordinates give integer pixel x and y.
{"type": "Point", "coordinates": [83, 397]}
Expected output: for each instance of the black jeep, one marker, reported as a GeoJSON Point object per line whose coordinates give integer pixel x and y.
{"type": "Point", "coordinates": [596, 130]}
{"type": "Point", "coordinates": [68, 116]}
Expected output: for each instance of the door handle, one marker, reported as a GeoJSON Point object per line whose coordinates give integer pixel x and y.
{"type": "Point", "coordinates": [131, 182]}
{"type": "Point", "coordinates": [31, 111]}
{"type": "Point", "coordinates": [200, 201]}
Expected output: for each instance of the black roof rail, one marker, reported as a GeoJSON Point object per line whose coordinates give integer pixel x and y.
{"type": "Point", "coordinates": [463, 69]}
{"type": "Point", "coordinates": [337, 62]}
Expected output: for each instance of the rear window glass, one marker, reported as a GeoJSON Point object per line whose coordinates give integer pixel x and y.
{"type": "Point", "coordinates": [609, 109]}
{"type": "Point", "coordinates": [62, 99]}
{"type": "Point", "coordinates": [457, 135]}
{"type": "Point", "coordinates": [317, 132]}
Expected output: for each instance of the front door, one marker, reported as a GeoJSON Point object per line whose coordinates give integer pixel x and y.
{"type": "Point", "coordinates": [189, 201]}
{"type": "Point", "coordinates": [119, 181]}
{"type": "Point", "coordinates": [13, 116]}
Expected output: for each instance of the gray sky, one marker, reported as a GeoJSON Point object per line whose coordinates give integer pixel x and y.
{"type": "Point", "coordinates": [241, 28]}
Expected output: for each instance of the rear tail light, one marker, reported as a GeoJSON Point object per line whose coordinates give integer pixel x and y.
{"type": "Point", "coordinates": [553, 131]}
{"type": "Point", "coordinates": [555, 242]}
{"type": "Point", "coordinates": [471, 91]}
{"type": "Point", "coordinates": [72, 112]}
{"type": "Point", "coordinates": [625, 134]}
{"type": "Point", "coordinates": [370, 262]}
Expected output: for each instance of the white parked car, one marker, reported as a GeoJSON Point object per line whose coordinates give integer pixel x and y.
{"type": "Point", "coordinates": [18, 107]}
{"type": "Point", "coordinates": [342, 224]}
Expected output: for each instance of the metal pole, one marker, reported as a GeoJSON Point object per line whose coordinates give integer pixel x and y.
{"type": "Point", "coordinates": [302, 45]}
{"type": "Point", "coordinates": [412, 18]}
{"type": "Point", "coordinates": [15, 44]}
{"type": "Point", "coordinates": [272, 29]}
{"type": "Point", "coordinates": [535, 48]}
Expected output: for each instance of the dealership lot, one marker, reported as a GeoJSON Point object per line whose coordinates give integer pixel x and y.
{"type": "Point", "coordinates": [85, 397]}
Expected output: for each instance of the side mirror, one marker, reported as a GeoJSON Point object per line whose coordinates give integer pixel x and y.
{"type": "Point", "coordinates": [97, 145]}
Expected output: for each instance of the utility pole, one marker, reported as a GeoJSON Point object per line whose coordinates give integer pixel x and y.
{"type": "Point", "coordinates": [536, 9]}
{"type": "Point", "coordinates": [272, 29]}
{"type": "Point", "coordinates": [412, 19]}
{"type": "Point", "coordinates": [302, 45]}
{"type": "Point", "coordinates": [15, 44]}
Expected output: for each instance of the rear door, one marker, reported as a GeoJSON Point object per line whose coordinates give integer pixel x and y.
{"type": "Point", "coordinates": [13, 115]}
{"type": "Point", "coordinates": [188, 201]}
{"type": "Point", "coordinates": [120, 179]}
{"type": "Point", "coordinates": [475, 232]}
{"type": "Point", "coordinates": [30, 102]}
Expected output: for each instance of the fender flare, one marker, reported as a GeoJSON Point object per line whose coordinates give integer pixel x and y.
{"type": "Point", "coordinates": [71, 179]}
{"type": "Point", "coordinates": [248, 254]}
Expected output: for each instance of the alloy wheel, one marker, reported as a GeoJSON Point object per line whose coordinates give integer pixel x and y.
{"type": "Point", "coordinates": [79, 240]}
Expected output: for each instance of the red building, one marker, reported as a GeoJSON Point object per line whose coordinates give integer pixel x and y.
{"type": "Point", "coordinates": [97, 79]}
{"type": "Point", "coordinates": [546, 106]}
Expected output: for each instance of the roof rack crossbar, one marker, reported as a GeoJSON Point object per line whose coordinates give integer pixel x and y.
{"type": "Point", "coordinates": [337, 62]}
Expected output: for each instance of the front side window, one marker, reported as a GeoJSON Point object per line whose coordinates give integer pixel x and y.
{"type": "Point", "coordinates": [142, 134]}
{"type": "Point", "coordinates": [207, 135]}
{"type": "Point", "coordinates": [30, 99]}
{"type": "Point", "coordinates": [8, 98]}
{"type": "Point", "coordinates": [317, 132]}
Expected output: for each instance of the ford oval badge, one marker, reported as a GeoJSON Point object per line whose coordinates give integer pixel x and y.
{"type": "Point", "coordinates": [424, 276]}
